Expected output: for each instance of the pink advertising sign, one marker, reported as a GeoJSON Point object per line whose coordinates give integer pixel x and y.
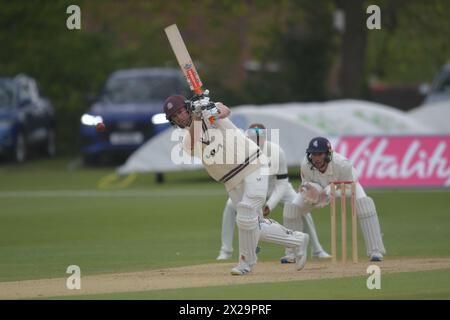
{"type": "Point", "coordinates": [398, 160]}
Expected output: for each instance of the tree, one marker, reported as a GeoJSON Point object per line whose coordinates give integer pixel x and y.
{"type": "Point", "coordinates": [353, 49]}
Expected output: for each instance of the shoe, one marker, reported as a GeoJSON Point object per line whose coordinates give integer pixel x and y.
{"type": "Point", "coordinates": [302, 253]}
{"type": "Point", "coordinates": [376, 257]}
{"type": "Point", "coordinates": [289, 258]}
{"type": "Point", "coordinates": [321, 255]}
{"type": "Point", "coordinates": [224, 255]}
{"type": "Point", "coordinates": [240, 270]}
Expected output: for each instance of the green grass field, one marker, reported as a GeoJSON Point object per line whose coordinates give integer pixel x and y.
{"type": "Point", "coordinates": [149, 226]}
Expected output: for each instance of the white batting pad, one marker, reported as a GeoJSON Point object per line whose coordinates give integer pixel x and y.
{"type": "Point", "coordinates": [370, 225]}
{"type": "Point", "coordinates": [247, 222]}
{"type": "Point", "coordinates": [273, 232]}
{"type": "Point", "coordinates": [292, 220]}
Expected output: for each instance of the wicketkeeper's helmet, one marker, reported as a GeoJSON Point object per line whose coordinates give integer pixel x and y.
{"type": "Point", "coordinates": [319, 145]}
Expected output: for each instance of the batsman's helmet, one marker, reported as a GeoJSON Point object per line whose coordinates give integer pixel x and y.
{"type": "Point", "coordinates": [172, 105]}
{"type": "Point", "coordinates": [319, 145]}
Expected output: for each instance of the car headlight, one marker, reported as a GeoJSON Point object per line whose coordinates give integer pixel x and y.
{"type": "Point", "coordinates": [90, 120]}
{"type": "Point", "coordinates": [159, 118]}
{"type": "Point", "coordinates": [6, 124]}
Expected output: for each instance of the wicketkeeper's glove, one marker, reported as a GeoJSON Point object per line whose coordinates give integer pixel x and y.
{"type": "Point", "coordinates": [324, 198]}
{"type": "Point", "coordinates": [310, 192]}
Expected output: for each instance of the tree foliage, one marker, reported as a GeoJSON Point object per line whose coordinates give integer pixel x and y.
{"type": "Point", "coordinates": [293, 41]}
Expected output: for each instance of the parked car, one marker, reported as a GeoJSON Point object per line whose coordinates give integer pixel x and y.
{"type": "Point", "coordinates": [27, 120]}
{"type": "Point", "coordinates": [130, 106]}
{"type": "Point", "coordinates": [440, 89]}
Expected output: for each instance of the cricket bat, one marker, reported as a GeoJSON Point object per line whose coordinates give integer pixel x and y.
{"type": "Point", "coordinates": [184, 59]}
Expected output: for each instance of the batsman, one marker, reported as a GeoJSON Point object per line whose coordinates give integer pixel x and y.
{"type": "Point", "coordinates": [320, 167]}
{"type": "Point", "coordinates": [231, 158]}
{"type": "Point", "coordinates": [213, 138]}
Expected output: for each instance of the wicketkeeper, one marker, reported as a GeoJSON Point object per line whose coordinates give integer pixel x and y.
{"type": "Point", "coordinates": [320, 167]}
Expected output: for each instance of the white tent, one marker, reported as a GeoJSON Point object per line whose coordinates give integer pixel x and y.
{"type": "Point", "coordinates": [436, 115]}
{"type": "Point", "coordinates": [353, 117]}
{"type": "Point", "coordinates": [298, 123]}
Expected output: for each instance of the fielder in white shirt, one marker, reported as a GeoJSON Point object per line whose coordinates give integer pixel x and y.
{"type": "Point", "coordinates": [279, 190]}
{"type": "Point", "coordinates": [319, 168]}
{"type": "Point", "coordinates": [231, 158]}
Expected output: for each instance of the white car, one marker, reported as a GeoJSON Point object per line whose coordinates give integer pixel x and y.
{"type": "Point", "coordinates": [440, 89]}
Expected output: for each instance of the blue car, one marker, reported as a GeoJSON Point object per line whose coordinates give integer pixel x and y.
{"type": "Point", "coordinates": [130, 106]}
{"type": "Point", "coordinates": [27, 120]}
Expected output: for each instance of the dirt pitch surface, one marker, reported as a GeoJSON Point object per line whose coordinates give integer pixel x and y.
{"type": "Point", "coordinates": [216, 274]}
